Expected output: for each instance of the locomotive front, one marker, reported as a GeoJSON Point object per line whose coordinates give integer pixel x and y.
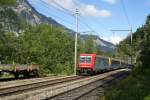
{"type": "Point", "coordinates": [86, 63]}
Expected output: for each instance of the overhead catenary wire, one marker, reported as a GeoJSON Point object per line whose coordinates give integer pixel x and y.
{"type": "Point", "coordinates": [65, 10]}
{"type": "Point", "coordinates": [125, 13]}
{"type": "Point", "coordinates": [60, 18]}
{"type": "Point", "coordinates": [64, 20]}
{"type": "Point", "coordinates": [127, 18]}
{"type": "Point", "coordinates": [83, 22]}
{"type": "Point", "coordinates": [71, 14]}
{"type": "Point", "coordinates": [130, 26]}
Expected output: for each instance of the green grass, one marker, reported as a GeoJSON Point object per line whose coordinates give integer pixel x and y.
{"type": "Point", "coordinates": [134, 87]}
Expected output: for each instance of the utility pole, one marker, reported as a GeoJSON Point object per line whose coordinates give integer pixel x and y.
{"type": "Point", "coordinates": [131, 45]}
{"type": "Point", "coordinates": [76, 41]}
{"type": "Point", "coordinates": [114, 40]}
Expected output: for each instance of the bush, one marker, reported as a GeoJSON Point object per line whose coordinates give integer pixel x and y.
{"type": "Point", "coordinates": [135, 87]}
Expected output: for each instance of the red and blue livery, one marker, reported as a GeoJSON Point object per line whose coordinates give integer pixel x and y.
{"type": "Point", "coordinates": [92, 63]}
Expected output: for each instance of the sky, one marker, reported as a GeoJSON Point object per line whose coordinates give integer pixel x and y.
{"type": "Point", "coordinates": [97, 17]}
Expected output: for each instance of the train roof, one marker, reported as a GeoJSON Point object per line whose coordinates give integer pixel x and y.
{"type": "Point", "coordinates": [93, 54]}
{"type": "Point", "coordinates": [84, 54]}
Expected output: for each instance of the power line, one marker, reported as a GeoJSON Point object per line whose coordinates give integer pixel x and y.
{"type": "Point", "coordinates": [84, 23]}
{"type": "Point", "coordinates": [64, 20]}
{"type": "Point", "coordinates": [71, 14]}
{"type": "Point", "coordinates": [90, 28]}
{"type": "Point", "coordinates": [77, 4]}
{"type": "Point", "coordinates": [67, 11]}
{"type": "Point", "coordinates": [126, 15]}
{"type": "Point", "coordinates": [130, 26]}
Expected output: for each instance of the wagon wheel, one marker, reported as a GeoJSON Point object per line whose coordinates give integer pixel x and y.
{"type": "Point", "coordinates": [16, 75]}
{"type": "Point", "coordinates": [26, 74]}
{"type": "Point", "coordinates": [36, 73]}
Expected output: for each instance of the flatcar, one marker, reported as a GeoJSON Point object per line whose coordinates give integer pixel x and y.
{"type": "Point", "coordinates": [25, 69]}
{"type": "Point", "coordinates": [92, 64]}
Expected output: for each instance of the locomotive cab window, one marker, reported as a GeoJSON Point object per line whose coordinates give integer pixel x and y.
{"type": "Point", "coordinates": [85, 59]}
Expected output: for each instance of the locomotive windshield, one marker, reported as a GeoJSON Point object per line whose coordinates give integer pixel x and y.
{"type": "Point", "coordinates": [85, 59]}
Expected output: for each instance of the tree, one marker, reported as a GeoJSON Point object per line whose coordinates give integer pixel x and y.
{"type": "Point", "coordinates": [140, 47]}
{"type": "Point", "coordinates": [8, 43]}
{"type": "Point", "coordinates": [89, 45]}
{"type": "Point", "coordinates": [7, 2]}
{"type": "Point", "coordinates": [50, 48]}
{"type": "Point", "coordinates": [144, 55]}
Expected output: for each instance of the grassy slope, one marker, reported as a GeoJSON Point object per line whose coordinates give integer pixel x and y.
{"type": "Point", "coordinates": [134, 87]}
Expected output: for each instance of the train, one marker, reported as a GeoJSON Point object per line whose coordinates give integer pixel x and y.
{"type": "Point", "coordinates": [88, 64]}
{"type": "Point", "coordinates": [26, 70]}
{"type": "Point", "coordinates": [92, 64]}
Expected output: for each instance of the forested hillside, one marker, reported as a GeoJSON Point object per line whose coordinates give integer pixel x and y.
{"type": "Point", "coordinates": [50, 47]}
{"type": "Point", "coordinates": [135, 86]}
{"type": "Point", "coordinates": [26, 11]}
{"type": "Point", "coordinates": [140, 46]}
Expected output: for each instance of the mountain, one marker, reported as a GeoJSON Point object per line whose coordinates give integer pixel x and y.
{"type": "Point", "coordinates": [103, 45]}
{"type": "Point", "coordinates": [26, 11]}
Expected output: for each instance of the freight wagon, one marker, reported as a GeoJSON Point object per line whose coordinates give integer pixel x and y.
{"type": "Point", "coordinates": [16, 69]}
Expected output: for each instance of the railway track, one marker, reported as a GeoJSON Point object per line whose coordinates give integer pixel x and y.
{"type": "Point", "coordinates": [80, 92]}
{"type": "Point", "coordinates": [11, 79]}
{"type": "Point", "coordinates": [99, 92]}
{"type": "Point", "coordinates": [18, 82]}
{"type": "Point", "coordinates": [34, 86]}
{"type": "Point", "coordinates": [72, 88]}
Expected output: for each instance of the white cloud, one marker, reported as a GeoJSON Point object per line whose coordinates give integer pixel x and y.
{"type": "Point", "coordinates": [114, 39]}
{"type": "Point", "coordinates": [111, 1]}
{"type": "Point", "coordinates": [90, 10]}
{"type": "Point", "coordinates": [84, 9]}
